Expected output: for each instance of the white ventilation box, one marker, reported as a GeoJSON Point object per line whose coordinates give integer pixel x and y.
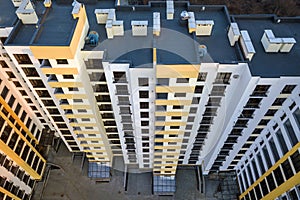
{"type": "Point", "coordinates": [170, 9]}
{"type": "Point", "coordinates": [17, 3]}
{"type": "Point", "coordinates": [139, 28]}
{"type": "Point", "coordinates": [26, 13]}
{"type": "Point", "coordinates": [287, 44]}
{"type": "Point", "coordinates": [233, 33]}
{"type": "Point", "coordinates": [204, 27]}
{"type": "Point", "coordinates": [191, 22]}
{"type": "Point", "coordinates": [101, 15]}
{"type": "Point", "coordinates": [156, 23]}
{"type": "Point", "coordinates": [270, 43]}
{"type": "Point", "coordinates": [247, 46]}
{"type": "Point", "coordinates": [109, 29]}
{"type": "Point", "coordinates": [118, 28]}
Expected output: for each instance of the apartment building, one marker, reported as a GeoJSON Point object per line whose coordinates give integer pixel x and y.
{"type": "Point", "coordinates": [21, 162]}
{"type": "Point", "coordinates": [163, 85]}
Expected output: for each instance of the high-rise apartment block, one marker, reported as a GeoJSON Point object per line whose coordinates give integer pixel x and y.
{"type": "Point", "coordinates": [164, 84]}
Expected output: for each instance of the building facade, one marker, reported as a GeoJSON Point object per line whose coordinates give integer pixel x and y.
{"type": "Point", "coordinates": [161, 85]}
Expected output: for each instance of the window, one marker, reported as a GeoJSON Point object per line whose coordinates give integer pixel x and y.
{"type": "Point", "coordinates": [193, 110]}
{"type": "Point", "coordinates": [174, 127]}
{"type": "Point", "coordinates": [223, 78]}
{"type": "Point", "coordinates": [144, 94]}
{"type": "Point", "coordinates": [161, 95]}
{"type": "Point", "coordinates": [144, 105]}
{"type": "Point", "coordinates": [61, 61]}
{"type": "Point", "coordinates": [82, 110]}
{"type": "Point", "coordinates": [68, 76]}
{"type": "Point", "coordinates": [3, 64]}
{"type": "Point", "coordinates": [180, 95]}
{"type": "Point", "coordinates": [4, 92]}
{"type": "Point", "coordinates": [23, 59]}
{"type": "Point", "coordinates": [10, 74]}
{"type": "Point", "coordinates": [143, 82]}
{"type": "Point", "coordinates": [199, 89]}
{"type": "Point", "coordinates": [287, 169]}
{"type": "Point", "coordinates": [11, 101]}
{"type": "Point", "coordinates": [176, 117]}
{"type": "Point", "coordinates": [274, 150]}
{"type": "Point", "coordinates": [261, 90]}
{"type": "Point", "coordinates": [120, 77]}
{"type": "Point", "coordinates": [278, 101]}
{"type": "Point", "coordinates": [267, 156]}
{"type": "Point", "coordinates": [261, 165]}
{"type": "Point", "coordinates": [291, 133]}
{"type": "Point", "coordinates": [77, 100]}
{"type": "Point", "coordinates": [182, 80]}
{"type": "Point", "coordinates": [161, 108]}
{"type": "Point", "coordinates": [73, 89]}
{"type": "Point", "coordinates": [144, 123]}
{"type": "Point", "coordinates": [162, 81]}
{"type": "Point", "coordinates": [178, 107]}
{"type": "Point", "coordinates": [144, 115]}
{"type": "Point", "coordinates": [202, 76]}
{"type": "Point", "coordinates": [281, 141]}
{"type": "Point", "coordinates": [37, 83]}
{"type": "Point", "coordinates": [288, 89]}
{"type": "Point", "coordinates": [30, 71]}
{"type": "Point", "coordinates": [296, 115]}
{"type": "Point", "coordinates": [296, 161]}
{"type": "Point", "coordinates": [160, 118]}
{"type": "Point", "coordinates": [218, 90]}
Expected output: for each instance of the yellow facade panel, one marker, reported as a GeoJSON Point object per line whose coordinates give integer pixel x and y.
{"type": "Point", "coordinates": [167, 147]}
{"type": "Point", "coordinates": [290, 183]}
{"type": "Point", "coordinates": [177, 71]}
{"type": "Point", "coordinates": [171, 113]}
{"type": "Point", "coordinates": [173, 89]}
{"type": "Point", "coordinates": [71, 96]}
{"type": "Point", "coordinates": [10, 153]}
{"type": "Point", "coordinates": [60, 70]}
{"type": "Point", "coordinates": [169, 132]}
{"type": "Point", "coordinates": [79, 116]}
{"type": "Point", "coordinates": [13, 114]}
{"type": "Point", "coordinates": [169, 123]}
{"type": "Point", "coordinates": [65, 84]}
{"type": "Point", "coordinates": [269, 171]}
{"type": "Point", "coordinates": [83, 124]}
{"type": "Point", "coordinates": [8, 193]}
{"type": "Point", "coordinates": [75, 106]}
{"type": "Point", "coordinates": [168, 140]}
{"type": "Point", "coordinates": [173, 102]}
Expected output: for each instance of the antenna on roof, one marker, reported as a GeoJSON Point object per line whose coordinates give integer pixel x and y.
{"type": "Point", "coordinates": [278, 21]}
{"type": "Point", "coordinates": [203, 8]}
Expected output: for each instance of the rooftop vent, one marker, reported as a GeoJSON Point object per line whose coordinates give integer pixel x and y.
{"type": "Point", "coordinates": [170, 9]}
{"type": "Point", "coordinates": [202, 50]}
{"type": "Point", "coordinates": [108, 17]}
{"type": "Point", "coordinates": [93, 38]}
{"type": "Point", "coordinates": [191, 22]}
{"type": "Point", "coordinates": [47, 3]}
{"type": "Point", "coordinates": [233, 33]}
{"type": "Point", "coordinates": [247, 46]}
{"type": "Point", "coordinates": [156, 23]}
{"type": "Point", "coordinates": [139, 28]}
{"type": "Point", "coordinates": [184, 15]}
{"type": "Point", "coordinates": [273, 44]}
{"type": "Point", "coordinates": [204, 27]}
{"type": "Point", "coordinates": [76, 9]}
{"type": "Point", "coordinates": [26, 13]}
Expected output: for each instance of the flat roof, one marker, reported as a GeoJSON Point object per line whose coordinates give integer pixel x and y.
{"type": "Point", "coordinates": [7, 14]}
{"type": "Point", "coordinates": [175, 45]}
{"type": "Point", "coordinates": [55, 27]}
{"type": "Point", "coordinates": [271, 65]}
